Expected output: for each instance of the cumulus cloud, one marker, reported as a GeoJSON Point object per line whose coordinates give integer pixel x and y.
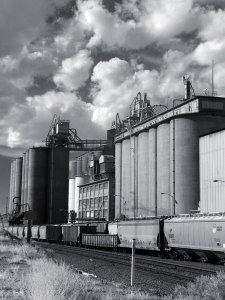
{"type": "Point", "coordinates": [21, 20]}
{"type": "Point", "coordinates": [75, 71]}
{"type": "Point", "coordinates": [101, 51]}
{"type": "Point", "coordinates": [115, 85]}
{"type": "Point", "coordinates": [152, 21]}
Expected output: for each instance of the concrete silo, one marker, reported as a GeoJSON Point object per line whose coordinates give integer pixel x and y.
{"type": "Point", "coordinates": [152, 172]}
{"type": "Point", "coordinates": [37, 183]}
{"type": "Point", "coordinates": [23, 183]}
{"type": "Point", "coordinates": [125, 195]}
{"type": "Point", "coordinates": [58, 162]}
{"type": "Point", "coordinates": [143, 174]}
{"type": "Point", "coordinates": [26, 181]}
{"type": "Point", "coordinates": [71, 202]}
{"type": "Point", "coordinates": [11, 193]}
{"type": "Point", "coordinates": [164, 204]}
{"type": "Point", "coordinates": [118, 175]}
{"type": "Point", "coordinates": [16, 199]}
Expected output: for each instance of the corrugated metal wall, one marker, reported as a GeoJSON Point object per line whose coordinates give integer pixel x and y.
{"type": "Point", "coordinates": [212, 167]}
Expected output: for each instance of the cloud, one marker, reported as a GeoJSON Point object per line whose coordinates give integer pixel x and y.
{"type": "Point", "coordinates": [49, 68]}
{"type": "Point", "coordinates": [152, 21]}
{"type": "Point", "coordinates": [75, 71]}
{"type": "Point", "coordinates": [21, 21]}
{"type": "Point", "coordinates": [116, 83]}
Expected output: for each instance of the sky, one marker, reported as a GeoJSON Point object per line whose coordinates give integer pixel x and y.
{"type": "Point", "coordinates": [85, 60]}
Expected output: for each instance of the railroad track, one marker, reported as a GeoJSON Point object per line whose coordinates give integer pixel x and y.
{"type": "Point", "coordinates": [171, 269]}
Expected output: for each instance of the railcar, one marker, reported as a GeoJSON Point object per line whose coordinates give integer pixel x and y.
{"type": "Point", "coordinates": [35, 232]}
{"type": "Point", "coordinates": [54, 233]}
{"type": "Point", "coordinates": [42, 230]}
{"type": "Point", "coordinates": [197, 236]}
{"type": "Point", "coordinates": [20, 232]}
{"type": "Point", "coordinates": [148, 233]}
{"type": "Point", "coordinates": [71, 234]}
{"type": "Point", "coordinates": [100, 240]}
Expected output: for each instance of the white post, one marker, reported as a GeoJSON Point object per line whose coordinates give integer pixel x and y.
{"type": "Point", "coordinates": [132, 263]}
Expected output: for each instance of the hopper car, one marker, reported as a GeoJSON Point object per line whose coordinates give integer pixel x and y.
{"type": "Point", "coordinates": [195, 237]}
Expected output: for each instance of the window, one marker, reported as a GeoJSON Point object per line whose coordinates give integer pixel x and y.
{"type": "Point", "coordinates": [96, 187]}
{"type": "Point", "coordinates": [92, 203]}
{"type": "Point", "coordinates": [105, 185]}
{"type": "Point", "coordinates": [100, 186]}
{"type": "Point", "coordinates": [96, 203]}
{"type": "Point", "coordinates": [105, 213]}
{"type": "Point", "coordinates": [80, 204]}
{"type": "Point", "coordinates": [88, 203]}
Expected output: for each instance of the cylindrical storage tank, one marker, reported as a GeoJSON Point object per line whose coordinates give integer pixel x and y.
{"type": "Point", "coordinates": [37, 183]}
{"type": "Point", "coordinates": [85, 164]}
{"type": "Point", "coordinates": [23, 182]}
{"type": "Point", "coordinates": [118, 176]}
{"type": "Point", "coordinates": [135, 176]}
{"type": "Point", "coordinates": [12, 177]}
{"type": "Point", "coordinates": [78, 181]}
{"type": "Point", "coordinates": [152, 172]}
{"type": "Point", "coordinates": [125, 198]}
{"type": "Point", "coordinates": [164, 198]}
{"type": "Point", "coordinates": [72, 169]}
{"type": "Point", "coordinates": [132, 178]}
{"type": "Point", "coordinates": [143, 175]}
{"type": "Point", "coordinates": [18, 183]}
{"type": "Point", "coordinates": [186, 164]}
{"type": "Point", "coordinates": [26, 182]}
{"type": "Point", "coordinates": [79, 167]}
{"type": "Point", "coordinates": [187, 131]}
{"type": "Point", "coordinates": [71, 202]}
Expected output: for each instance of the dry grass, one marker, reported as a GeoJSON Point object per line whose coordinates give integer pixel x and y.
{"type": "Point", "coordinates": [204, 288]}
{"type": "Point", "coordinates": [24, 250]}
{"type": "Point", "coordinates": [45, 279]}
{"type": "Point", "coordinates": [48, 280]}
{"type": "Point", "coordinates": [11, 287]}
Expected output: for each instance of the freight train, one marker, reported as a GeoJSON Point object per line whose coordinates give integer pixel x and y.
{"type": "Point", "coordinates": [195, 237]}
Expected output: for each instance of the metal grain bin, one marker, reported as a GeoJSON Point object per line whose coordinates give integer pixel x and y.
{"type": "Point", "coordinates": [100, 240]}
{"type": "Point", "coordinates": [54, 233]}
{"type": "Point", "coordinates": [202, 236]}
{"type": "Point", "coordinates": [146, 232]}
{"type": "Point", "coordinates": [35, 232]}
{"type": "Point", "coordinates": [42, 233]}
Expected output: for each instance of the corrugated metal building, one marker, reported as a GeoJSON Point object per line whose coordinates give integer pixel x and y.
{"type": "Point", "coordinates": [212, 172]}
{"type": "Point", "coordinates": [157, 158]}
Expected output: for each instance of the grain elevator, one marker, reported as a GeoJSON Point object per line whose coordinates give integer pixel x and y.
{"type": "Point", "coordinates": [157, 155]}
